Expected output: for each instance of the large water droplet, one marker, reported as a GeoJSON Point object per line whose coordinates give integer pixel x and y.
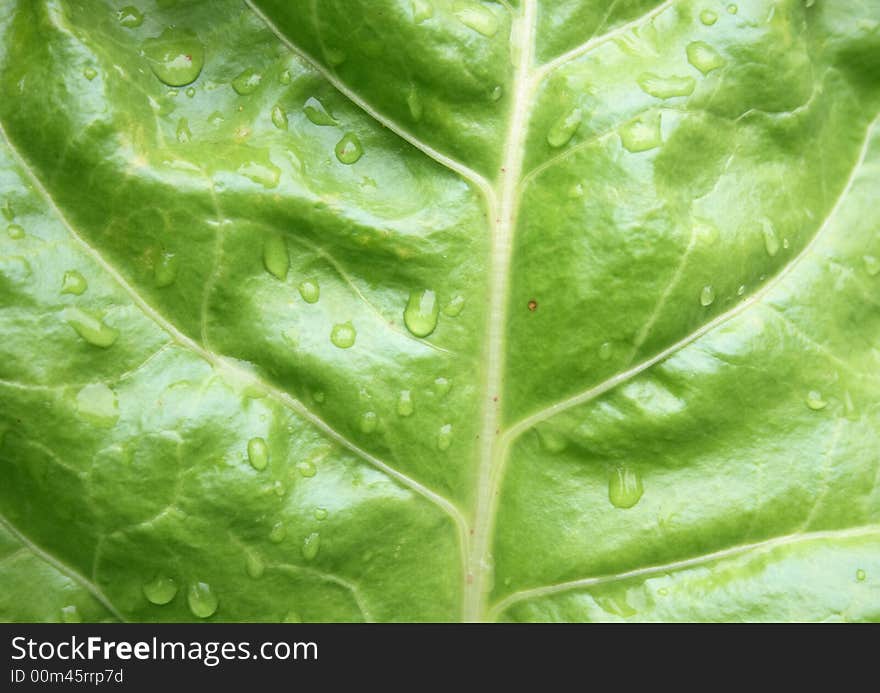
{"type": "Point", "coordinates": [475, 16]}
{"type": "Point", "coordinates": [642, 133]}
{"type": "Point", "coordinates": [872, 265]}
{"type": "Point", "coordinates": [815, 401]}
{"type": "Point", "coordinates": [444, 437]}
{"type": "Point", "coordinates": [201, 599]}
{"type": "Point", "coordinates": [258, 453]}
{"type": "Point", "coordinates": [307, 469]}
{"type": "Point", "coordinates": [160, 590]}
{"type": "Point", "coordinates": [454, 307]}
{"type": "Point", "coordinates": [279, 117]}
{"type": "Point", "coordinates": [278, 533]}
{"type": "Point", "coordinates": [70, 614]}
{"type": "Point", "coordinates": [266, 174]}
{"type": "Point", "coordinates": [316, 112]}
{"type": "Point", "coordinates": [624, 487]}
{"type": "Point", "coordinates": [311, 546]}
{"type": "Point", "coordinates": [771, 240]}
{"type": "Point", "coordinates": [275, 257]}
{"type": "Point", "coordinates": [708, 17]}
{"type": "Point", "coordinates": [666, 87]}
{"type": "Point", "coordinates": [97, 404]}
{"type": "Point", "coordinates": [703, 57]}
{"type": "Point", "coordinates": [73, 283]}
{"type": "Point", "coordinates": [176, 56]}
{"type": "Point", "coordinates": [130, 17]}
{"type": "Point", "coordinates": [420, 314]}
{"type": "Point", "coordinates": [405, 404]}
{"type": "Point", "coordinates": [165, 270]}
{"type": "Point", "coordinates": [343, 335]}
{"type": "Point", "coordinates": [369, 421]}
{"type": "Point", "coordinates": [247, 81]}
{"type": "Point", "coordinates": [564, 128]}
{"type": "Point", "coordinates": [422, 11]}
{"type": "Point", "coordinates": [348, 149]}
{"type": "Point", "coordinates": [254, 566]}
{"type": "Point", "coordinates": [90, 328]}
{"type": "Point", "coordinates": [707, 296]}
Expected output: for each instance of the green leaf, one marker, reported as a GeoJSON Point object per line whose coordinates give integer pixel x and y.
{"type": "Point", "coordinates": [440, 310]}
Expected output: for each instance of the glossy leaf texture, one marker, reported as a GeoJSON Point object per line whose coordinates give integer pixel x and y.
{"type": "Point", "coordinates": [430, 310]}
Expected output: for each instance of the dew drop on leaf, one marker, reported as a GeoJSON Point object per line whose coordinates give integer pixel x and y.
{"type": "Point", "coordinates": [732, 9]}
{"type": "Point", "coordinates": [176, 56]}
{"type": "Point", "coordinates": [310, 291]}
{"type": "Point", "coordinates": [247, 81]}
{"type": "Point", "coordinates": [191, 92]}
{"type": "Point", "coordinates": [165, 270]}
{"type": "Point", "coordinates": [605, 351]}
{"type": "Point", "coordinates": [316, 112]}
{"type": "Point", "coordinates": [275, 257]}
{"type": "Point", "coordinates": [254, 566]}
{"type": "Point", "coordinates": [703, 57]}
{"type": "Point", "coordinates": [266, 174]}
{"type": "Point", "coordinates": [90, 328]}
{"type": "Point", "coordinates": [815, 401]}
{"type": "Point", "coordinates": [98, 405]}
{"type": "Point", "coordinates": [771, 240]}
{"type": "Point", "coordinates": [666, 87]}
{"type": "Point", "coordinates": [420, 314]}
{"type": "Point", "coordinates": [348, 149]}
{"type": "Point", "coordinates": [307, 469]}
{"type": "Point", "coordinates": [475, 16]}
{"type": "Point", "coordinates": [624, 487]}
{"type": "Point", "coordinates": [311, 546]}
{"type": "Point", "coordinates": [160, 590]}
{"type": "Point", "coordinates": [130, 17]}
{"type": "Point", "coordinates": [258, 453]}
{"type": "Point", "coordinates": [414, 103]}
{"type": "Point", "coordinates": [183, 132]}
{"type": "Point", "coordinates": [708, 17]}
{"type": "Point", "coordinates": [707, 296]}
{"type": "Point", "coordinates": [90, 73]}
{"type": "Point", "coordinates": [405, 404]}
{"type": "Point", "coordinates": [278, 533]}
{"type": "Point", "coordinates": [454, 307]}
{"type": "Point", "coordinates": [343, 335]}
{"type": "Point", "coordinates": [442, 386]}
{"type": "Point", "coordinates": [15, 232]}
{"type": "Point", "coordinates": [564, 128]}
{"type": "Point", "coordinates": [861, 575]}
{"type": "Point", "coordinates": [201, 599]}
{"type": "Point", "coordinates": [70, 614]}
{"type": "Point", "coordinates": [444, 437]}
{"type": "Point", "coordinates": [369, 421]}
{"type": "Point", "coordinates": [320, 513]}
{"type": "Point", "coordinates": [642, 133]}
{"type": "Point", "coordinates": [73, 283]}
{"type": "Point", "coordinates": [279, 117]}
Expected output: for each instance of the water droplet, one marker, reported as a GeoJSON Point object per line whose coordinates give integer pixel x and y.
{"type": "Point", "coordinates": [279, 117]}
{"type": "Point", "coordinates": [278, 488]}
{"type": "Point", "coordinates": [130, 17]}
{"type": "Point", "coordinates": [771, 240]}
{"type": "Point", "coordinates": [254, 566]}
{"type": "Point", "coordinates": [165, 270]}
{"type": "Point", "coordinates": [814, 400]}
{"type": "Point", "coordinates": [247, 81]}
{"type": "Point", "coordinates": [475, 16]}
{"type": "Point", "coordinates": [444, 437]}
{"type": "Point", "coordinates": [343, 335]}
{"type": "Point", "coordinates": [191, 92]}
{"type": "Point", "coordinates": [201, 599]}
{"type": "Point", "coordinates": [605, 351]}
{"type": "Point", "coordinates": [405, 403]}
{"type": "Point", "coordinates": [266, 174]}
{"type": "Point", "coordinates": [666, 87]}
{"type": "Point", "coordinates": [284, 77]}
{"type": "Point", "coordinates": [15, 232]}
{"type": "Point", "coordinates": [90, 73]}
{"type": "Point", "coordinates": [70, 614]}
{"type": "Point", "coordinates": [741, 290]}
{"type": "Point", "coordinates": [176, 56]}
{"type": "Point", "coordinates": [184, 134]}
{"type": "Point", "coordinates": [872, 265]}
{"type": "Point", "coordinates": [316, 112]}
{"type": "Point", "coordinates": [369, 421]}
{"type": "Point", "coordinates": [278, 533]}
{"type": "Point", "coordinates": [348, 149]}
{"type": "Point", "coordinates": [311, 545]}
{"type": "Point", "coordinates": [624, 487]}
{"type": "Point", "coordinates": [73, 283]}
{"type": "Point", "coordinates": [551, 440]}
{"type": "Point", "coordinates": [420, 314]}
{"type": "Point", "coordinates": [160, 590]}
{"type": "Point", "coordinates": [275, 257]}
{"type": "Point", "coordinates": [454, 307]}
{"type": "Point", "coordinates": [496, 93]}
{"type": "Point", "coordinates": [642, 133]}
{"type": "Point", "coordinates": [310, 291]}
{"type": "Point", "coordinates": [703, 57]}
{"type": "Point", "coordinates": [320, 513]}
{"type": "Point", "coordinates": [442, 386]}
{"type": "Point", "coordinates": [732, 9]}
{"type": "Point", "coordinates": [291, 617]}
{"type": "Point", "coordinates": [861, 575]}
{"type": "Point", "coordinates": [7, 210]}
{"type": "Point", "coordinates": [97, 404]}
{"type": "Point", "coordinates": [258, 453]}
{"type": "Point", "coordinates": [564, 128]}
{"type": "Point", "coordinates": [707, 296]}
{"type": "Point", "coordinates": [90, 328]}
{"type": "Point", "coordinates": [708, 17]}
{"type": "Point", "coordinates": [414, 102]}
{"type": "Point", "coordinates": [422, 10]}
{"type": "Point", "coordinates": [307, 469]}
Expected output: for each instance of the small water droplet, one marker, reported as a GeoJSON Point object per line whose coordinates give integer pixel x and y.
{"type": "Point", "coordinates": [414, 102]}
{"type": "Point", "coordinates": [785, 243]}
{"type": "Point", "coordinates": [442, 386]}
{"type": "Point", "coordinates": [422, 11]}
{"type": "Point", "coordinates": [624, 487]}
{"type": "Point", "coordinates": [420, 314]}
{"type": "Point", "coordinates": [184, 134]}
{"type": "Point", "coordinates": [814, 400]}
{"type": "Point", "coordinates": [176, 56]}
{"type": "Point", "coordinates": [771, 240]}
{"type": "Point", "coordinates": [551, 440]}
{"type": "Point", "coordinates": [165, 270]}
{"type": "Point", "coordinates": [475, 16]}
{"type": "Point", "coordinates": [7, 210]}
{"type": "Point", "coordinates": [732, 9]}
{"type": "Point", "coordinates": [73, 283]}
{"type": "Point", "coordinates": [97, 404]}
{"type": "Point", "coordinates": [258, 453]}
{"type": "Point", "coordinates": [343, 335]}
{"type": "Point", "coordinates": [741, 290]}
{"type": "Point", "coordinates": [444, 437]}
{"type": "Point", "coordinates": [496, 93]}
{"type": "Point", "coordinates": [605, 351]}
{"type": "Point", "coordinates": [160, 590]}
{"type": "Point", "coordinates": [191, 92]}
{"type": "Point", "coordinates": [15, 232]}
{"type": "Point", "coordinates": [247, 81]}
{"type": "Point", "coordinates": [872, 265]}
{"type": "Point", "coordinates": [316, 112]}
{"type": "Point", "coordinates": [642, 133]}
{"type": "Point", "coordinates": [320, 513]}
{"type": "Point", "coordinates": [405, 404]}
{"type": "Point", "coordinates": [564, 128]}
{"type": "Point", "coordinates": [311, 545]}
{"type": "Point", "coordinates": [130, 17]}
{"type": "Point", "coordinates": [278, 533]}
{"type": "Point", "coordinates": [666, 87]}
{"type": "Point", "coordinates": [708, 17]}
{"type": "Point", "coordinates": [90, 328]}
{"type": "Point", "coordinates": [202, 600]}
{"type": "Point", "coordinates": [90, 73]}
{"type": "Point", "coordinates": [275, 257]}
{"type": "Point", "coordinates": [369, 421]}
{"type": "Point", "coordinates": [266, 174]}
{"type": "Point", "coordinates": [70, 614]}
{"type": "Point", "coordinates": [707, 296]}
{"type": "Point", "coordinates": [703, 57]}
{"type": "Point", "coordinates": [278, 488]}
{"type": "Point", "coordinates": [284, 77]}
{"type": "Point", "coordinates": [348, 149]}
{"type": "Point", "coordinates": [307, 469]}
{"type": "Point", "coordinates": [254, 566]}
{"type": "Point", "coordinates": [310, 291]}
{"type": "Point", "coordinates": [279, 117]}
{"type": "Point", "coordinates": [454, 307]}
{"type": "Point", "coordinates": [861, 575]}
